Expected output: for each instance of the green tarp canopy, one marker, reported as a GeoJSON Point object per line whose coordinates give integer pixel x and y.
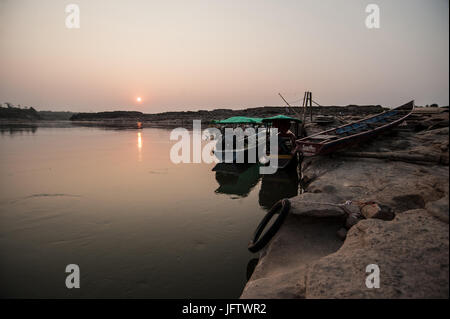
{"type": "Point", "coordinates": [280, 117]}
{"type": "Point", "coordinates": [254, 120]}
{"type": "Point", "coordinates": [239, 120]}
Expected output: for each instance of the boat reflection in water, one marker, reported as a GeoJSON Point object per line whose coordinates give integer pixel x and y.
{"type": "Point", "coordinates": [282, 184]}
{"type": "Point", "coordinates": [236, 179]}
{"type": "Point", "coordinates": [241, 179]}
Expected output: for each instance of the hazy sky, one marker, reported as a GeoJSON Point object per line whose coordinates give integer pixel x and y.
{"type": "Point", "coordinates": [190, 55]}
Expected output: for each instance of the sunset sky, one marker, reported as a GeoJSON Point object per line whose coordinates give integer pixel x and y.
{"type": "Point", "coordinates": [191, 55]}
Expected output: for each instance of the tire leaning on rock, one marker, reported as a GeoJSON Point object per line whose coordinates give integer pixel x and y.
{"type": "Point", "coordinates": [258, 242]}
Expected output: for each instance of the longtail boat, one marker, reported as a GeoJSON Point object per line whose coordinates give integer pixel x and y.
{"type": "Point", "coordinates": [328, 141]}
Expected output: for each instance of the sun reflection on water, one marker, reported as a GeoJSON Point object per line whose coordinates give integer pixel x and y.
{"type": "Point", "coordinates": [139, 145]}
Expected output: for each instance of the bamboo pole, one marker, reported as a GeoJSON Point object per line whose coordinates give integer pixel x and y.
{"type": "Point", "coordinates": [305, 104]}
{"type": "Point", "coordinates": [289, 104]}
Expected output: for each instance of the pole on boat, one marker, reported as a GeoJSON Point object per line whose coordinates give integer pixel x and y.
{"type": "Point", "coordinates": [305, 105]}
{"type": "Point", "coordinates": [316, 103]}
{"type": "Point", "coordinates": [288, 104]}
{"type": "Point", "coordinates": [307, 102]}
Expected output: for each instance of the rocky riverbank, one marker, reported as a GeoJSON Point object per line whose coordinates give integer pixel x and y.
{"type": "Point", "coordinates": [132, 119]}
{"type": "Point", "coordinates": [184, 119]}
{"type": "Point", "coordinates": [396, 217]}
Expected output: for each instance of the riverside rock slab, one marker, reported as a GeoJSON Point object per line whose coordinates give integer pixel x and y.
{"type": "Point", "coordinates": [439, 209]}
{"type": "Point", "coordinates": [411, 252]}
{"type": "Point", "coordinates": [317, 205]}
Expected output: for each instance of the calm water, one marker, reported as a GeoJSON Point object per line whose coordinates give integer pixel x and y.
{"type": "Point", "coordinates": [138, 226]}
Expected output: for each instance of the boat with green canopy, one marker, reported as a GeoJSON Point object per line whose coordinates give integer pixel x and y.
{"type": "Point", "coordinates": [239, 120]}
{"type": "Point", "coordinates": [288, 130]}
{"type": "Point", "coordinates": [280, 118]}
{"type": "Point", "coordinates": [240, 148]}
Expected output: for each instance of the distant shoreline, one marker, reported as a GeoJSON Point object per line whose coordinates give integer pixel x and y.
{"type": "Point", "coordinates": [185, 118]}
{"type": "Point", "coordinates": [134, 119]}
{"type": "Point", "coordinates": [130, 119]}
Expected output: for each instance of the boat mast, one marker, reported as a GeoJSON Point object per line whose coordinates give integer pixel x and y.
{"type": "Point", "coordinates": [289, 105]}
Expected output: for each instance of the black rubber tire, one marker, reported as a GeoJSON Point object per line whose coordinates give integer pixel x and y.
{"type": "Point", "coordinates": [258, 242]}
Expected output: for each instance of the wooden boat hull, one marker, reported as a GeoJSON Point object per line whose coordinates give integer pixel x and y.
{"type": "Point", "coordinates": [329, 141]}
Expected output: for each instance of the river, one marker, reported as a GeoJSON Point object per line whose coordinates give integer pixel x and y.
{"type": "Point", "coordinates": [137, 225]}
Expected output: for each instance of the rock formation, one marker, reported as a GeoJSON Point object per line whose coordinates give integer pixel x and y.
{"type": "Point", "coordinates": [307, 259]}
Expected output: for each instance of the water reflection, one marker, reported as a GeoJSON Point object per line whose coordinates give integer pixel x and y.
{"type": "Point", "coordinates": [160, 228]}
{"type": "Point", "coordinates": [18, 130]}
{"type": "Point", "coordinates": [159, 236]}
{"type": "Point", "coordinates": [139, 146]}
{"type": "Point", "coordinates": [282, 184]}
{"type": "Point", "coordinates": [240, 179]}
{"type": "Point", "coordinates": [236, 179]}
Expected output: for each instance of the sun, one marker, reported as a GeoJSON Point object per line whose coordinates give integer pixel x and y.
{"type": "Point", "coordinates": [139, 99]}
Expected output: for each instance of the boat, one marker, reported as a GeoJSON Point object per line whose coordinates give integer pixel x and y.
{"type": "Point", "coordinates": [285, 157]}
{"type": "Point", "coordinates": [239, 120]}
{"type": "Point", "coordinates": [328, 141]}
{"type": "Point", "coordinates": [264, 128]}
{"type": "Point", "coordinates": [235, 151]}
